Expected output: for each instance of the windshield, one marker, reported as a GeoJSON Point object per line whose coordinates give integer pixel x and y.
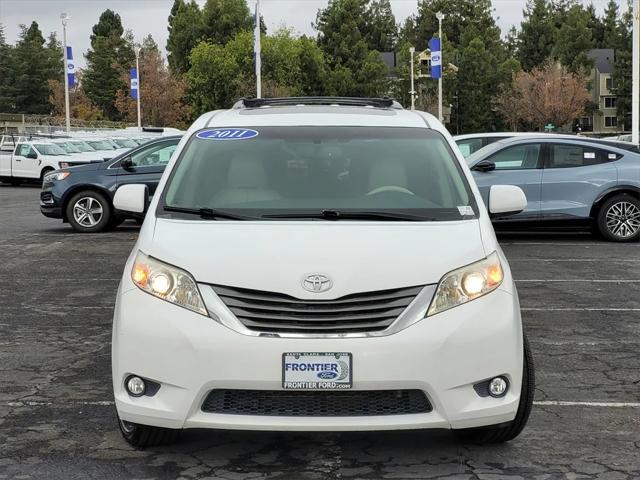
{"type": "Point", "coordinates": [49, 149]}
{"type": "Point", "coordinates": [308, 170]}
{"type": "Point", "coordinates": [69, 147]}
{"type": "Point", "coordinates": [83, 146]}
{"type": "Point", "coordinates": [125, 143]}
{"type": "Point", "coordinates": [100, 144]}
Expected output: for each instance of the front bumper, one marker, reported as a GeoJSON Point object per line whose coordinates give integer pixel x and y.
{"type": "Point", "coordinates": [189, 355]}
{"type": "Point", "coordinates": [50, 204]}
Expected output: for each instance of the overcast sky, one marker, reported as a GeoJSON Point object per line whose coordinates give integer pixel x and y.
{"type": "Point", "coordinates": [150, 16]}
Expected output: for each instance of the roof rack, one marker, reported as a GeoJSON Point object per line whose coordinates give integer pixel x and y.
{"type": "Point", "coordinates": [342, 101]}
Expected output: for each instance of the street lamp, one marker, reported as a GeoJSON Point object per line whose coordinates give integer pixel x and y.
{"type": "Point", "coordinates": [412, 51]}
{"type": "Point", "coordinates": [440, 17]}
{"type": "Point", "coordinates": [137, 51]}
{"type": "Point", "coordinates": [635, 84]}
{"type": "Point", "coordinates": [65, 18]}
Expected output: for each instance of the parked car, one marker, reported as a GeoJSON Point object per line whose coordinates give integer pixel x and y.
{"type": "Point", "coordinates": [83, 195]}
{"type": "Point", "coordinates": [306, 267]}
{"type": "Point", "coordinates": [569, 182]}
{"type": "Point", "coordinates": [33, 160]}
{"type": "Point", "coordinates": [472, 142]}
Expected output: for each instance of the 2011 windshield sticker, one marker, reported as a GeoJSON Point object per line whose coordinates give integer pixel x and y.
{"type": "Point", "coordinates": [227, 134]}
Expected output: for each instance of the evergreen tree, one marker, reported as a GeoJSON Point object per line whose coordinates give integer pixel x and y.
{"type": "Point", "coordinates": [573, 41]}
{"type": "Point", "coordinates": [342, 35]}
{"type": "Point", "coordinates": [223, 19]}
{"type": "Point", "coordinates": [110, 55]}
{"type": "Point", "coordinates": [7, 75]}
{"type": "Point", "coordinates": [622, 69]}
{"type": "Point", "coordinates": [476, 87]}
{"type": "Point", "coordinates": [381, 29]}
{"type": "Point", "coordinates": [185, 30]}
{"type": "Point", "coordinates": [32, 69]}
{"type": "Point", "coordinates": [537, 35]}
{"type": "Point", "coordinates": [596, 26]}
{"type": "Point", "coordinates": [56, 57]}
{"type": "Point", "coordinates": [611, 36]}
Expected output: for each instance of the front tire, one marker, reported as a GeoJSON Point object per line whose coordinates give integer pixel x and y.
{"type": "Point", "coordinates": [505, 432]}
{"type": "Point", "coordinates": [89, 212]}
{"type": "Point", "coordinates": [142, 436]}
{"type": "Point", "coordinates": [618, 219]}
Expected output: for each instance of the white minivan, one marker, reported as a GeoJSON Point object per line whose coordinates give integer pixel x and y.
{"type": "Point", "coordinates": [319, 264]}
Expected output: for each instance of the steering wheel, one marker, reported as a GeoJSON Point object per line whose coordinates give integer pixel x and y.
{"type": "Point", "coordinates": [390, 188]}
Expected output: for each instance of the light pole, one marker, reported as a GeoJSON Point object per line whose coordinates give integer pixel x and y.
{"type": "Point", "coordinates": [64, 17]}
{"type": "Point", "coordinates": [440, 17]}
{"type": "Point", "coordinates": [635, 85]}
{"type": "Point", "coordinates": [137, 50]}
{"type": "Point", "coordinates": [412, 51]}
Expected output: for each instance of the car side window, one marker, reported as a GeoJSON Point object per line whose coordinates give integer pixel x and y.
{"type": "Point", "coordinates": [571, 156]}
{"type": "Point", "coordinates": [23, 150]}
{"type": "Point", "coordinates": [156, 155]}
{"type": "Point", "coordinates": [469, 146]}
{"type": "Point", "coordinates": [517, 157]}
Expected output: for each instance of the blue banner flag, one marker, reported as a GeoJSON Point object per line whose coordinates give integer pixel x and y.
{"type": "Point", "coordinates": [71, 68]}
{"type": "Point", "coordinates": [134, 83]}
{"type": "Point", "coordinates": [436, 58]}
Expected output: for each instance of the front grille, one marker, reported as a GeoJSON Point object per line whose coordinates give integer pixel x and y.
{"type": "Point", "coordinates": [276, 312]}
{"type": "Point", "coordinates": [282, 403]}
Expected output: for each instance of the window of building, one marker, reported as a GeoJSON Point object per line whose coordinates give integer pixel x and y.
{"type": "Point", "coordinates": [609, 83]}
{"type": "Point", "coordinates": [610, 122]}
{"type": "Point", "coordinates": [610, 102]}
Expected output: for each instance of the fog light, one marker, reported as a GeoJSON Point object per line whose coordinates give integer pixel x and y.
{"type": "Point", "coordinates": [135, 386]}
{"type": "Point", "coordinates": [498, 387]}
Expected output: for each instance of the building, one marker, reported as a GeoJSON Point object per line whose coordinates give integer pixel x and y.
{"type": "Point", "coordinates": [604, 120]}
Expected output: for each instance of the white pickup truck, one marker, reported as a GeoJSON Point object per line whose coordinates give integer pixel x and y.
{"type": "Point", "coordinates": [33, 159]}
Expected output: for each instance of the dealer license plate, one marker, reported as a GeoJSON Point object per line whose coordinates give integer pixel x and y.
{"type": "Point", "coordinates": [317, 371]}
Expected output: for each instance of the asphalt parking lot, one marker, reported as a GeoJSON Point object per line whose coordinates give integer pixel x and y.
{"type": "Point", "coordinates": [581, 308]}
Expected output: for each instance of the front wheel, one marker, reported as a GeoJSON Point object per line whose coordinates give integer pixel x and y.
{"type": "Point", "coordinates": [141, 436]}
{"type": "Point", "coordinates": [89, 212]}
{"type": "Point", "coordinates": [505, 432]}
{"type": "Point", "coordinates": [618, 219]}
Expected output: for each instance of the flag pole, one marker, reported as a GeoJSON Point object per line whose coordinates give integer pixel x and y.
{"type": "Point", "coordinates": [258, 53]}
{"type": "Point", "coordinates": [64, 17]}
{"type": "Point", "coordinates": [635, 84]}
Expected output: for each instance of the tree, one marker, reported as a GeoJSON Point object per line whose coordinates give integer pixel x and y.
{"type": "Point", "coordinates": [537, 35]}
{"type": "Point", "coordinates": [162, 92]}
{"type": "Point", "coordinates": [574, 40]}
{"type": "Point", "coordinates": [32, 70]}
{"type": "Point", "coordinates": [79, 105]}
{"type": "Point", "coordinates": [7, 75]}
{"type": "Point", "coordinates": [111, 54]}
{"type": "Point", "coordinates": [475, 87]}
{"type": "Point", "coordinates": [185, 31]}
{"type": "Point", "coordinates": [223, 19]}
{"type": "Point", "coordinates": [381, 29]}
{"type": "Point", "coordinates": [622, 69]}
{"type": "Point", "coordinates": [342, 35]}
{"type": "Point", "coordinates": [611, 35]}
{"type": "Point", "coordinates": [547, 94]}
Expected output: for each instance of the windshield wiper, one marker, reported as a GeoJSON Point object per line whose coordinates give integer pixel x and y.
{"type": "Point", "coordinates": [365, 215]}
{"type": "Point", "coordinates": [208, 213]}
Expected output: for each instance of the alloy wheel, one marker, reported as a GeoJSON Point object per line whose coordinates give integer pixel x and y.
{"type": "Point", "coordinates": [87, 211]}
{"type": "Point", "coordinates": [623, 219]}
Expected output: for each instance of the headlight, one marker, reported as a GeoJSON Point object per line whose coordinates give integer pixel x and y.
{"type": "Point", "coordinates": [467, 283]}
{"type": "Point", "coordinates": [167, 282]}
{"type": "Point", "coordinates": [56, 176]}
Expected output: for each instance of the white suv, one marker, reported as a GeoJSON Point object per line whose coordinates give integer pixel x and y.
{"type": "Point", "coordinates": [319, 264]}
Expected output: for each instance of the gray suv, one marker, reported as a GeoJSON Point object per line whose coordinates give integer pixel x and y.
{"type": "Point", "coordinates": [568, 182]}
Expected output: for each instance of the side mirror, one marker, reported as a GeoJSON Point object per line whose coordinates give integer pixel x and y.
{"type": "Point", "coordinates": [506, 200]}
{"type": "Point", "coordinates": [33, 155]}
{"type": "Point", "coordinates": [484, 166]}
{"type": "Point", "coordinates": [127, 163]}
{"type": "Point", "coordinates": [132, 198]}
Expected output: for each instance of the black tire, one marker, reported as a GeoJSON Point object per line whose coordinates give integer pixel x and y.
{"type": "Point", "coordinates": [142, 436]}
{"type": "Point", "coordinates": [614, 221]}
{"type": "Point", "coordinates": [101, 222]}
{"type": "Point", "coordinates": [505, 432]}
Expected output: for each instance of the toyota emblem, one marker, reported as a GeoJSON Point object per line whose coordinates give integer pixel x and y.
{"type": "Point", "coordinates": [316, 283]}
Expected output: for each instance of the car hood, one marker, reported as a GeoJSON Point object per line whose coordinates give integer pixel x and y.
{"type": "Point", "coordinates": [356, 256]}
